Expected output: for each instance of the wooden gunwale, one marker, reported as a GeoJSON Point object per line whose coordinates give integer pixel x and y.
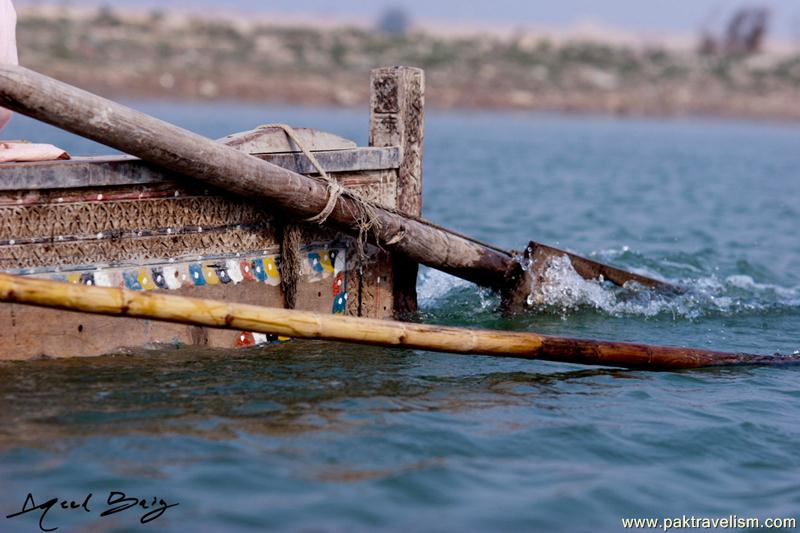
{"type": "Point", "coordinates": [118, 170]}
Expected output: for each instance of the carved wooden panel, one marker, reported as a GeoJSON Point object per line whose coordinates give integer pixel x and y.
{"type": "Point", "coordinates": [88, 220]}
{"type": "Point", "coordinates": [139, 250]}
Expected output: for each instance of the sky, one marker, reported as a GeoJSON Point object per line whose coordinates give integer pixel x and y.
{"type": "Point", "coordinates": [667, 16]}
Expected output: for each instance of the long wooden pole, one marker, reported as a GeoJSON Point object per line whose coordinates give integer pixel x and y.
{"type": "Point", "coordinates": [300, 324]}
{"type": "Point", "coordinates": [194, 156]}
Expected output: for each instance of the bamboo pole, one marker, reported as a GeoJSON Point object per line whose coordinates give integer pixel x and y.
{"type": "Point", "coordinates": [299, 324]}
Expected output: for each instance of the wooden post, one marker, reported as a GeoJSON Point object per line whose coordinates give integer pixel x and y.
{"type": "Point", "coordinates": [397, 101]}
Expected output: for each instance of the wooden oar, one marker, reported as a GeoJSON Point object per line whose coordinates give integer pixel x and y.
{"type": "Point", "coordinates": [300, 324]}
{"type": "Point", "coordinates": [194, 156]}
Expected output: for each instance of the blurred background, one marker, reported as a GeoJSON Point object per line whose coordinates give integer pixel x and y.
{"type": "Point", "coordinates": [679, 57]}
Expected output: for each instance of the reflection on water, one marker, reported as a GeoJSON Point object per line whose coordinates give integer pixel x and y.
{"type": "Point", "coordinates": [293, 388]}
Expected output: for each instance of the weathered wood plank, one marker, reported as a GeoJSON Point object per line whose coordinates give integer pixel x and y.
{"type": "Point", "coordinates": [356, 160]}
{"type": "Point", "coordinates": [109, 171]}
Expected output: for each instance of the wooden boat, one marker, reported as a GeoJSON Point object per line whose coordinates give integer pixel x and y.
{"type": "Point", "coordinates": [120, 222]}
{"type": "Point", "coordinates": [117, 241]}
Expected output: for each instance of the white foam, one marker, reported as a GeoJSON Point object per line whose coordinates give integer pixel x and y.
{"type": "Point", "coordinates": [434, 285]}
{"type": "Point", "coordinates": [565, 291]}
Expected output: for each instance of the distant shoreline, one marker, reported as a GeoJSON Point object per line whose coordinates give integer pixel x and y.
{"type": "Point", "coordinates": [178, 57]}
{"type": "Point", "coordinates": [172, 99]}
{"type": "Point", "coordinates": [787, 114]}
{"type": "Point", "coordinates": [774, 110]}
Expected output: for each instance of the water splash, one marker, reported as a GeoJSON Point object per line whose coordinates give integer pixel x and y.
{"type": "Point", "coordinates": [443, 297]}
{"type": "Point", "coordinates": [434, 285]}
{"type": "Point", "coordinates": [565, 291]}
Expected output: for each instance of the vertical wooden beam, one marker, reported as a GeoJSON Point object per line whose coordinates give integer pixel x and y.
{"type": "Point", "coordinates": [397, 101]}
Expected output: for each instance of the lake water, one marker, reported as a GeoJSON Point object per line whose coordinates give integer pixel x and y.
{"type": "Point", "coordinates": [325, 437]}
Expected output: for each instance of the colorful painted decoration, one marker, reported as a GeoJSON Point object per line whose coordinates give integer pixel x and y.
{"type": "Point", "coordinates": [210, 274]}
{"type": "Point", "coordinates": [265, 269]}
{"type": "Point", "coordinates": [234, 270]}
{"type": "Point", "coordinates": [259, 271]}
{"type": "Point", "coordinates": [174, 278]}
{"type": "Point", "coordinates": [158, 277]}
{"type": "Point", "coordinates": [145, 277]}
{"type": "Point", "coordinates": [221, 270]}
{"type": "Point", "coordinates": [316, 264]}
{"type": "Point", "coordinates": [245, 339]}
{"type": "Point", "coordinates": [340, 304]}
{"type": "Point", "coordinates": [246, 269]}
{"type": "Point", "coordinates": [326, 261]}
{"type": "Point", "coordinates": [338, 284]}
{"type": "Point", "coordinates": [106, 279]}
{"type": "Point", "coordinates": [339, 261]}
{"type": "Point", "coordinates": [271, 268]}
{"type": "Point", "coordinates": [131, 281]}
{"type": "Point", "coordinates": [196, 275]}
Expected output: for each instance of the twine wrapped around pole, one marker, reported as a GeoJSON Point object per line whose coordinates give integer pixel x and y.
{"type": "Point", "coordinates": [366, 213]}
{"type": "Point", "coordinates": [334, 189]}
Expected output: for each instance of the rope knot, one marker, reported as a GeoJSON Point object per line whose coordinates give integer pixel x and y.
{"type": "Point", "coordinates": [366, 216]}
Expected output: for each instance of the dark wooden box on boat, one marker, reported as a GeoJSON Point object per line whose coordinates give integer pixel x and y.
{"type": "Point", "coordinates": [120, 222]}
